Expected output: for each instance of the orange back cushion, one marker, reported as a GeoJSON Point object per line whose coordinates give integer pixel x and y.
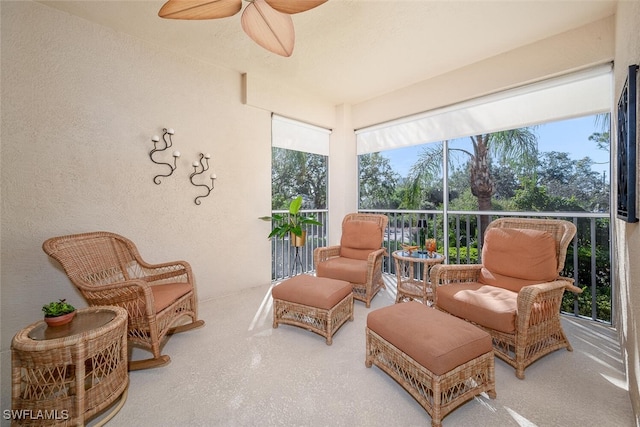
{"type": "Point", "coordinates": [359, 239]}
{"type": "Point", "coordinates": [513, 258]}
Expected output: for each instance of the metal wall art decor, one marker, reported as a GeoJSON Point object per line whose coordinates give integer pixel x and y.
{"type": "Point", "coordinates": [200, 167]}
{"type": "Point", "coordinates": [626, 160]}
{"type": "Point", "coordinates": [159, 146]}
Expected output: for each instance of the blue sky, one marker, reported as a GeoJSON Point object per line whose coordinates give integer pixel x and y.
{"type": "Point", "coordinates": [571, 136]}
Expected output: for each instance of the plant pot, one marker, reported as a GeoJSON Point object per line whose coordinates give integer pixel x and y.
{"type": "Point", "coordinates": [298, 241]}
{"type": "Point", "coordinates": [60, 320]}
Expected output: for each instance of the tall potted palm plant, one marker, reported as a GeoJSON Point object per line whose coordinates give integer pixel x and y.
{"type": "Point", "coordinates": [291, 223]}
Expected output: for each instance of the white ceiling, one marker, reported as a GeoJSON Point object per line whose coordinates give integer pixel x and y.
{"type": "Point", "coordinates": [348, 51]}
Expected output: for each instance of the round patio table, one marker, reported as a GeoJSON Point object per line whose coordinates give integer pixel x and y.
{"type": "Point", "coordinates": [412, 273]}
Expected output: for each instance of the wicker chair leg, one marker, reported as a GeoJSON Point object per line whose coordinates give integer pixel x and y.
{"type": "Point", "coordinates": [565, 340]}
{"type": "Point", "coordinates": [368, 361]}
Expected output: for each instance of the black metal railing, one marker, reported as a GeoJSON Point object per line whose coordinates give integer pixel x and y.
{"type": "Point", "coordinates": [287, 260]}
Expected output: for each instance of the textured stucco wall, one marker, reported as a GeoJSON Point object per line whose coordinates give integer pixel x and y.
{"type": "Point", "coordinates": [627, 247]}
{"type": "Point", "coordinates": [80, 104]}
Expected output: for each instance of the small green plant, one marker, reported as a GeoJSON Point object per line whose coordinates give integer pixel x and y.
{"type": "Point", "coordinates": [291, 222]}
{"type": "Point", "coordinates": [57, 308]}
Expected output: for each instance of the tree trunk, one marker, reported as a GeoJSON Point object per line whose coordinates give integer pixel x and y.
{"type": "Point", "coordinates": [484, 204]}
{"type": "Point", "coordinates": [481, 182]}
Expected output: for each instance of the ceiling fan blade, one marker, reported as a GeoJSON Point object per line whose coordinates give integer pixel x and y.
{"type": "Point", "coordinates": [294, 6]}
{"type": "Point", "coordinates": [199, 9]}
{"type": "Point", "coordinates": [269, 28]}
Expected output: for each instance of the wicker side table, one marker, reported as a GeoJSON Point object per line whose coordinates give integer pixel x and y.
{"type": "Point", "coordinates": [67, 374]}
{"type": "Point", "coordinates": [412, 272]}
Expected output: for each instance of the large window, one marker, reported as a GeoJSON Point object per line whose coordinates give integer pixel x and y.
{"type": "Point", "coordinates": [295, 173]}
{"type": "Point", "coordinates": [299, 163]}
{"type": "Point", "coordinates": [299, 168]}
{"type": "Point", "coordinates": [560, 166]}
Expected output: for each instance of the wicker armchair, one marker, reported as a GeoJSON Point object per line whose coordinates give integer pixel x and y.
{"type": "Point", "coordinates": [108, 270]}
{"type": "Point", "coordinates": [516, 293]}
{"type": "Point", "coordinates": [358, 258]}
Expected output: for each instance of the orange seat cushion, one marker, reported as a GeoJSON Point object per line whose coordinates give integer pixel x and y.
{"type": "Point", "coordinates": [489, 306]}
{"type": "Point", "coordinates": [513, 258]}
{"type": "Point", "coordinates": [434, 339]}
{"type": "Point", "coordinates": [340, 268]}
{"type": "Point", "coordinates": [165, 295]}
{"type": "Point", "coordinates": [359, 239]}
{"type": "Point", "coordinates": [312, 291]}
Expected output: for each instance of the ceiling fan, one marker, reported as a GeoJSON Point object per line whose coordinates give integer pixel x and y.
{"type": "Point", "coordinates": [267, 22]}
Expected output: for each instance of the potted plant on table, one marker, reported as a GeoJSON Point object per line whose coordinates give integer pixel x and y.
{"type": "Point", "coordinates": [58, 313]}
{"type": "Point", "coordinates": [291, 223]}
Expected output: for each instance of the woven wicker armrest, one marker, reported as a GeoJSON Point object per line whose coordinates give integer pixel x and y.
{"type": "Point", "coordinates": [180, 265]}
{"type": "Point", "coordinates": [119, 294]}
{"type": "Point", "coordinates": [167, 271]}
{"type": "Point", "coordinates": [539, 303]}
{"type": "Point", "coordinates": [374, 261]}
{"type": "Point", "coordinates": [324, 253]}
{"type": "Point", "coordinates": [569, 285]}
{"type": "Point", "coordinates": [136, 286]}
{"type": "Point", "coordinates": [165, 275]}
{"type": "Point", "coordinates": [442, 274]}
{"type": "Point", "coordinates": [378, 253]}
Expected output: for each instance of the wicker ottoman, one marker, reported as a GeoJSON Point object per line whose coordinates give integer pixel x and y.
{"type": "Point", "coordinates": [442, 361]}
{"type": "Point", "coordinates": [318, 304]}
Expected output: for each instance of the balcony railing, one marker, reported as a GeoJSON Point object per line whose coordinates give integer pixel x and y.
{"type": "Point", "coordinates": [588, 259]}
{"type": "Point", "coordinates": [286, 260]}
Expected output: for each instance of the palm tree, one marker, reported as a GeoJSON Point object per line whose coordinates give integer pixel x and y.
{"type": "Point", "coordinates": [602, 138]}
{"type": "Point", "coordinates": [517, 148]}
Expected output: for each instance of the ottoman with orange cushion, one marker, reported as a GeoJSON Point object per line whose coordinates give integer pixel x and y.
{"type": "Point", "coordinates": [442, 361]}
{"type": "Point", "coordinates": [318, 304]}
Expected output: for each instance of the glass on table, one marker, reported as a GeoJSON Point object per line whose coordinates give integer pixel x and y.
{"type": "Point", "coordinates": [431, 246]}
